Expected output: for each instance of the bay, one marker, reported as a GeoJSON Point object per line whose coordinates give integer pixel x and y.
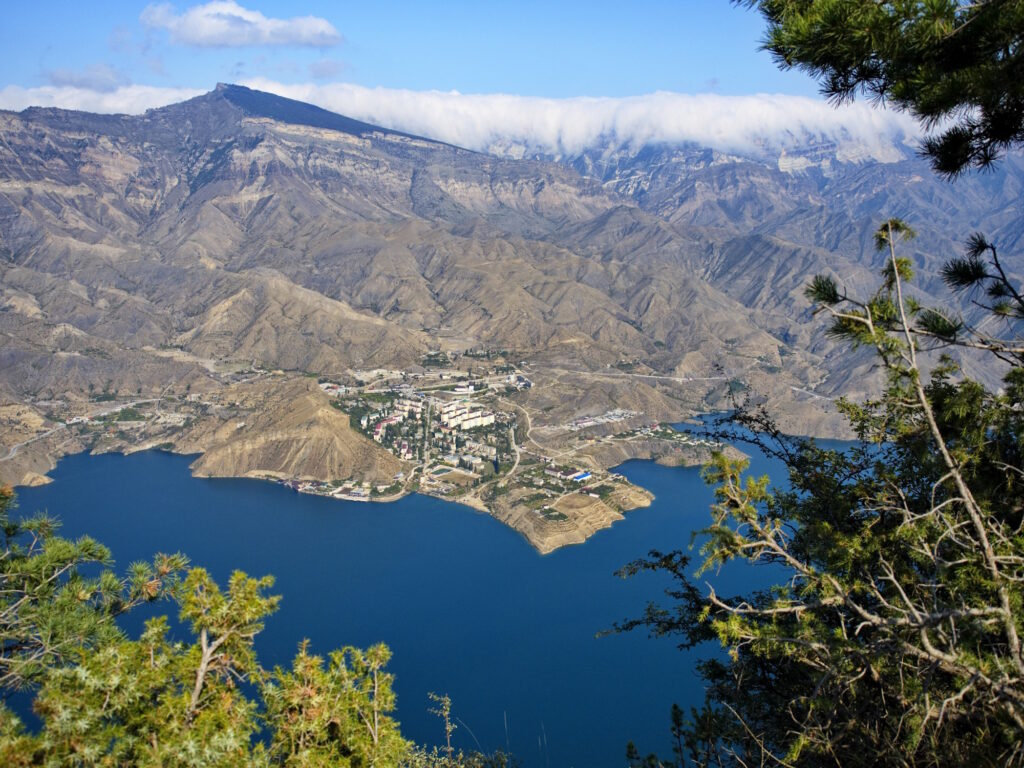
{"type": "Point", "coordinates": [467, 607]}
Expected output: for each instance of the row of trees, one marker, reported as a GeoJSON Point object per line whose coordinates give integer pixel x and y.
{"type": "Point", "coordinates": [105, 699]}
{"type": "Point", "coordinates": [895, 637]}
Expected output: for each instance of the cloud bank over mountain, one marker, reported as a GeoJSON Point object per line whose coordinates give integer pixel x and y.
{"type": "Point", "coordinates": [749, 124]}
{"type": "Point", "coordinates": [126, 99]}
{"type": "Point", "coordinates": [764, 124]}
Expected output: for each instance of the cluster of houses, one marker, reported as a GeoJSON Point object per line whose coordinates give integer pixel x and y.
{"type": "Point", "coordinates": [481, 449]}
{"type": "Point", "coordinates": [654, 429]}
{"type": "Point", "coordinates": [618, 414]}
{"type": "Point", "coordinates": [454, 416]}
{"type": "Point", "coordinates": [449, 425]}
{"type": "Point", "coordinates": [518, 381]}
{"type": "Point", "coordinates": [350, 490]}
{"type": "Point", "coordinates": [461, 414]}
{"type": "Point", "coordinates": [464, 460]}
{"type": "Point", "coordinates": [404, 408]}
{"type": "Point", "coordinates": [472, 456]}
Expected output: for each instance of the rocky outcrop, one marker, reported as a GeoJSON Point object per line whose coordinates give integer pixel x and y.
{"type": "Point", "coordinates": [291, 431]}
{"type": "Point", "coordinates": [573, 519]}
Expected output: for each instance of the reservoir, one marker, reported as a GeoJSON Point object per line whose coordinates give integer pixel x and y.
{"type": "Point", "coordinates": [466, 605]}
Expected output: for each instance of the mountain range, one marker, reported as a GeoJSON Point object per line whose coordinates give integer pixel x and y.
{"type": "Point", "coordinates": [137, 251]}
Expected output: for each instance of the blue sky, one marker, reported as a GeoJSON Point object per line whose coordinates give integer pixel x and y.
{"type": "Point", "coordinates": [551, 49]}
{"type": "Point", "coordinates": [493, 76]}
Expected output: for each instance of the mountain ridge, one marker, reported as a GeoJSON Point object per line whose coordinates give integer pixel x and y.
{"type": "Point", "coordinates": [225, 234]}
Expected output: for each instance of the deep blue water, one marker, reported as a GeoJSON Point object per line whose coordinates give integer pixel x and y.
{"type": "Point", "coordinates": [467, 607]}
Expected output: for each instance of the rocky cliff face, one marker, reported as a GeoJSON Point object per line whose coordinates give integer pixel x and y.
{"type": "Point", "coordinates": [291, 431]}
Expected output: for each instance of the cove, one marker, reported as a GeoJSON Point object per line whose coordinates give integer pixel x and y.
{"type": "Point", "coordinates": [467, 607]}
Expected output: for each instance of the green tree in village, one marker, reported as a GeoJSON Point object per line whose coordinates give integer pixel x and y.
{"type": "Point", "coordinates": [957, 66]}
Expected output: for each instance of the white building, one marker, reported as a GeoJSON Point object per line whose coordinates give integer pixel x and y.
{"type": "Point", "coordinates": [477, 419]}
{"type": "Point", "coordinates": [407, 405]}
{"type": "Point", "coordinates": [471, 462]}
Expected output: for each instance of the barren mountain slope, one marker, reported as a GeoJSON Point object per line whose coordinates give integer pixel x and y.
{"type": "Point", "coordinates": [291, 432]}
{"type": "Point", "coordinates": [764, 223]}
{"type": "Point", "coordinates": [139, 253]}
{"type": "Point", "coordinates": [242, 225]}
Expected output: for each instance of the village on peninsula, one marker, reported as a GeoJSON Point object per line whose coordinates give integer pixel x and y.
{"type": "Point", "coordinates": [459, 427]}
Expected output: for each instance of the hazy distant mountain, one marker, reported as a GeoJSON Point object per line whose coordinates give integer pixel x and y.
{"type": "Point", "coordinates": [769, 220]}
{"type": "Point", "coordinates": [243, 225]}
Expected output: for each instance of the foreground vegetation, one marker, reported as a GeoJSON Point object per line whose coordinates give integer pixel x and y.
{"type": "Point", "coordinates": [895, 636]}
{"type": "Point", "coordinates": [105, 699]}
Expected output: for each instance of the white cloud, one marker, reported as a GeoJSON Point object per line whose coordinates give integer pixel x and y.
{"type": "Point", "coordinates": [98, 77]}
{"type": "Point", "coordinates": [226, 24]}
{"type": "Point", "coordinates": [756, 124]}
{"type": "Point", "coordinates": [759, 125]}
{"type": "Point", "coordinates": [129, 99]}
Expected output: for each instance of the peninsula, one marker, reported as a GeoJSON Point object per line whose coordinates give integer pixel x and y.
{"type": "Point", "coordinates": [464, 428]}
{"type": "Point", "coordinates": [360, 312]}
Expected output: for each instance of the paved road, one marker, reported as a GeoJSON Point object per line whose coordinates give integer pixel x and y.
{"type": "Point", "coordinates": [812, 394]}
{"type": "Point", "coordinates": [18, 446]}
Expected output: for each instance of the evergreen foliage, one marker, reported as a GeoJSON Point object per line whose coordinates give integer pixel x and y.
{"type": "Point", "coordinates": [895, 638]}
{"type": "Point", "coordinates": [51, 613]}
{"type": "Point", "coordinates": [107, 700]}
{"type": "Point", "coordinates": [956, 66]}
{"type": "Point", "coordinates": [338, 715]}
